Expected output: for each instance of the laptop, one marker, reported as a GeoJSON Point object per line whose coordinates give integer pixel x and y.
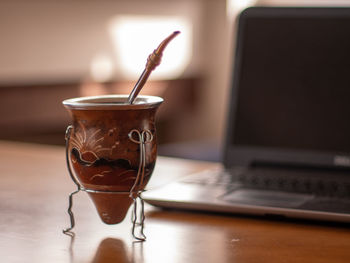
{"type": "Point", "coordinates": [287, 144]}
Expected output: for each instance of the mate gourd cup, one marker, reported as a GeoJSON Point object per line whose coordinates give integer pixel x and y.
{"type": "Point", "coordinates": [112, 149]}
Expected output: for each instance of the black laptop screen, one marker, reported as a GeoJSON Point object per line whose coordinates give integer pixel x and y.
{"type": "Point", "coordinates": [294, 83]}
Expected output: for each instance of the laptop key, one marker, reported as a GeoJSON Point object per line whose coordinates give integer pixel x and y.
{"type": "Point", "coordinates": [210, 178]}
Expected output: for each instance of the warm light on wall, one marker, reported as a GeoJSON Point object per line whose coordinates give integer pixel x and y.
{"type": "Point", "coordinates": [135, 37]}
{"type": "Point", "coordinates": [101, 67]}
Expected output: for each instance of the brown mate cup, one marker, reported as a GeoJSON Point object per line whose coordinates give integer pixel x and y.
{"type": "Point", "coordinates": [112, 149]}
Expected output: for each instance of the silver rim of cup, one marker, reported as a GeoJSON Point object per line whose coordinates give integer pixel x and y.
{"type": "Point", "coordinates": [105, 102]}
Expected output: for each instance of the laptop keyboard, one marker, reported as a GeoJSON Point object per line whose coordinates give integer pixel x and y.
{"type": "Point", "coordinates": [321, 183]}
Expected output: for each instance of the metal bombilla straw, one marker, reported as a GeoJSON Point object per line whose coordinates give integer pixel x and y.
{"type": "Point", "coordinates": [153, 61]}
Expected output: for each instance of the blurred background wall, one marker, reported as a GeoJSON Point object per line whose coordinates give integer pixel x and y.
{"type": "Point", "coordinates": [53, 50]}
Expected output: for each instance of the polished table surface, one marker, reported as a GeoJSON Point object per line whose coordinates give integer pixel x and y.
{"type": "Point", "coordinates": [34, 189]}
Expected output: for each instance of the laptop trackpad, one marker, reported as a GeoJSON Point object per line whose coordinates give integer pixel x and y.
{"type": "Point", "coordinates": [266, 198]}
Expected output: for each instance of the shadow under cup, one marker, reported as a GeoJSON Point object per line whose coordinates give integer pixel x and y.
{"type": "Point", "coordinates": [112, 149]}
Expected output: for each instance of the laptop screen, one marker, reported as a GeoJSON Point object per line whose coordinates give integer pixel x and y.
{"type": "Point", "coordinates": [292, 80]}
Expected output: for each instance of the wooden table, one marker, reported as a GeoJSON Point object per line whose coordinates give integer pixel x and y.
{"type": "Point", "coordinates": [34, 188]}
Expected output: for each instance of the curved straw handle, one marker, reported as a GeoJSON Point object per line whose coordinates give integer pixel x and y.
{"type": "Point", "coordinates": [152, 62]}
